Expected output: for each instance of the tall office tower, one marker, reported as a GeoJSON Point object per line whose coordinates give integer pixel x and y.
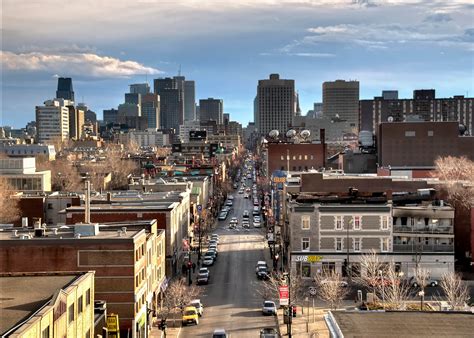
{"type": "Point", "coordinates": [110, 116]}
{"type": "Point", "coordinates": [151, 109]}
{"type": "Point", "coordinates": [198, 113]}
{"type": "Point", "coordinates": [65, 90]}
{"type": "Point", "coordinates": [424, 106]}
{"type": "Point", "coordinates": [76, 121]}
{"type": "Point", "coordinates": [276, 104]}
{"type": "Point", "coordinates": [171, 102]}
{"type": "Point", "coordinates": [139, 88]}
{"type": "Point", "coordinates": [255, 113]}
{"type": "Point", "coordinates": [189, 101]}
{"type": "Point", "coordinates": [52, 121]}
{"type": "Point", "coordinates": [211, 110]}
{"type": "Point", "coordinates": [341, 98]}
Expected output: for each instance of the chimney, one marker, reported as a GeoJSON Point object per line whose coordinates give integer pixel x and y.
{"type": "Point", "coordinates": [109, 197]}
{"type": "Point", "coordinates": [322, 138]}
{"type": "Point", "coordinates": [87, 209]}
{"type": "Point", "coordinates": [389, 196]}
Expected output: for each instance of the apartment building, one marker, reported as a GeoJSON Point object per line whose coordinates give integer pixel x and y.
{"type": "Point", "coordinates": [52, 120]}
{"type": "Point", "coordinates": [128, 259]}
{"type": "Point", "coordinates": [333, 232]}
{"type": "Point", "coordinates": [56, 304]}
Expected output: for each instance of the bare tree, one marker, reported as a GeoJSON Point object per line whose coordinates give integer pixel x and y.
{"type": "Point", "coordinates": [64, 175]}
{"type": "Point", "coordinates": [421, 279]}
{"type": "Point", "coordinates": [385, 282]}
{"type": "Point", "coordinates": [176, 297]}
{"type": "Point", "coordinates": [269, 289]}
{"type": "Point", "coordinates": [331, 288]}
{"type": "Point", "coordinates": [9, 210]}
{"type": "Point", "coordinates": [455, 290]}
{"type": "Point", "coordinates": [457, 174]}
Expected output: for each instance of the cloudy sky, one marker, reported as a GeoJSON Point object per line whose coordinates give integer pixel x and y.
{"type": "Point", "coordinates": [227, 45]}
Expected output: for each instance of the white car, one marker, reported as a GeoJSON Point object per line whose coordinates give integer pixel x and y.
{"type": "Point", "coordinates": [208, 261]}
{"type": "Point", "coordinates": [234, 220]}
{"type": "Point", "coordinates": [246, 195]}
{"type": "Point", "coordinates": [257, 224]}
{"type": "Point", "coordinates": [198, 305]}
{"type": "Point", "coordinates": [269, 308]}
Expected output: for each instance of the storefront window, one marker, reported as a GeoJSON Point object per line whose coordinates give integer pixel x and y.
{"type": "Point", "coordinates": [305, 270]}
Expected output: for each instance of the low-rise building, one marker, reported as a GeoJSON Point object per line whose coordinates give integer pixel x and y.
{"type": "Point", "coordinates": [21, 174]}
{"type": "Point", "coordinates": [47, 304]}
{"type": "Point", "coordinates": [128, 259]}
{"type": "Point", "coordinates": [29, 150]}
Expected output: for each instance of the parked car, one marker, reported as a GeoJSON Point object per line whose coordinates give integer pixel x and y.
{"type": "Point", "coordinates": [342, 283]}
{"type": "Point", "coordinates": [246, 195]}
{"type": "Point", "coordinates": [190, 315]}
{"type": "Point", "coordinates": [234, 220]}
{"type": "Point", "coordinates": [208, 261]}
{"type": "Point", "coordinates": [229, 203]}
{"type": "Point", "coordinates": [246, 214]}
{"type": "Point", "coordinates": [269, 332]}
{"type": "Point", "coordinates": [220, 333]}
{"type": "Point", "coordinates": [202, 278]}
{"type": "Point", "coordinates": [269, 308]}
{"type": "Point", "coordinates": [222, 216]}
{"type": "Point", "coordinates": [198, 305]}
{"type": "Point", "coordinates": [204, 270]}
{"type": "Point", "coordinates": [256, 224]}
{"type": "Point", "coordinates": [245, 223]}
{"type": "Point", "coordinates": [430, 282]}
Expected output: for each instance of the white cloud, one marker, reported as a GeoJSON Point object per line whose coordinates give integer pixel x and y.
{"type": "Point", "coordinates": [81, 64]}
{"type": "Point", "coordinates": [329, 29]}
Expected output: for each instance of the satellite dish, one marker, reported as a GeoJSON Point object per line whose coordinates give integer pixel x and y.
{"type": "Point", "coordinates": [274, 133]}
{"type": "Point", "coordinates": [291, 133]}
{"type": "Point", "coordinates": [305, 134]}
{"type": "Point", "coordinates": [390, 119]}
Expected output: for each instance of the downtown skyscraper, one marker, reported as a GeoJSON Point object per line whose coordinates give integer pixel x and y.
{"type": "Point", "coordinates": [276, 104]}
{"type": "Point", "coordinates": [171, 92]}
{"type": "Point", "coordinates": [65, 90]}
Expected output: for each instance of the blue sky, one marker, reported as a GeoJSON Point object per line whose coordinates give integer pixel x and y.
{"type": "Point", "coordinates": [227, 46]}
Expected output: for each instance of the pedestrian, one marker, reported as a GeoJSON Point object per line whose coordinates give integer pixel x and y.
{"type": "Point", "coordinates": [194, 267]}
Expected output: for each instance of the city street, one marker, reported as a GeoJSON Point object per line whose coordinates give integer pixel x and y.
{"type": "Point", "coordinates": [231, 300]}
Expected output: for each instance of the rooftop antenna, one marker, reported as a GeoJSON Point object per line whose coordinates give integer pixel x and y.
{"type": "Point", "coordinates": [179, 70]}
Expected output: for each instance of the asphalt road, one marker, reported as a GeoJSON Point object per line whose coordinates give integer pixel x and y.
{"type": "Point", "coordinates": [231, 300]}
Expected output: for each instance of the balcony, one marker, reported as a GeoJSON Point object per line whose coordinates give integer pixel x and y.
{"type": "Point", "coordinates": [423, 248]}
{"type": "Point", "coordinates": [429, 229]}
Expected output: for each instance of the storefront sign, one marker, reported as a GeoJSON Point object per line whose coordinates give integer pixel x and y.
{"type": "Point", "coordinates": [284, 294]}
{"type": "Point", "coordinates": [113, 323]}
{"type": "Point", "coordinates": [306, 258]}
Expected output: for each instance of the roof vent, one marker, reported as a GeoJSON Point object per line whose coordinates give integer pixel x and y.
{"type": "Point", "coordinates": [77, 236]}
{"type": "Point", "coordinates": [15, 233]}
{"type": "Point", "coordinates": [55, 231]}
{"type": "Point", "coordinates": [25, 236]}
{"type": "Point", "coordinates": [124, 230]}
{"type": "Point", "coordinates": [119, 233]}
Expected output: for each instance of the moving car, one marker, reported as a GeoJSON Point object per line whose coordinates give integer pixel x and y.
{"type": "Point", "coordinates": [246, 195]}
{"type": "Point", "coordinates": [245, 223]}
{"type": "Point", "coordinates": [220, 333]}
{"type": "Point", "coordinates": [342, 283]}
{"type": "Point", "coordinates": [429, 282]}
{"type": "Point", "coordinates": [222, 216]}
{"type": "Point", "coordinates": [259, 264]}
{"type": "Point", "coordinates": [262, 273]}
{"type": "Point", "coordinates": [190, 315]}
{"type": "Point", "coordinates": [229, 203]}
{"type": "Point", "coordinates": [269, 308]}
{"type": "Point", "coordinates": [246, 214]}
{"type": "Point", "coordinates": [198, 305]}
{"type": "Point", "coordinates": [234, 220]}
{"type": "Point", "coordinates": [241, 191]}
{"type": "Point", "coordinates": [256, 224]}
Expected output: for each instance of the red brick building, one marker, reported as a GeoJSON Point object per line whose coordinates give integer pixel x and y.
{"type": "Point", "coordinates": [410, 145]}
{"type": "Point", "coordinates": [295, 156]}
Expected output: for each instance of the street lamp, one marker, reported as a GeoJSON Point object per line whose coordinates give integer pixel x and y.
{"type": "Point", "coordinates": [383, 289]}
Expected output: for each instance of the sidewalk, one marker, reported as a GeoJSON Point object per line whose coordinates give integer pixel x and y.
{"type": "Point", "coordinates": [303, 324]}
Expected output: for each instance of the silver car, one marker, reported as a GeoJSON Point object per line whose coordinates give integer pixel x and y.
{"type": "Point", "coordinates": [269, 308]}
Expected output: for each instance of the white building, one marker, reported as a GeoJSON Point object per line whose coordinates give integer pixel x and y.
{"type": "Point", "coordinates": [21, 174]}
{"type": "Point", "coordinates": [148, 137]}
{"type": "Point", "coordinates": [28, 150]}
{"type": "Point", "coordinates": [186, 127]}
{"type": "Point", "coordinates": [52, 120]}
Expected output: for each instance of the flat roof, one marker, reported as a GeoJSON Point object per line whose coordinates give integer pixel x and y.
{"type": "Point", "coordinates": [24, 295]}
{"type": "Point", "coordinates": [405, 324]}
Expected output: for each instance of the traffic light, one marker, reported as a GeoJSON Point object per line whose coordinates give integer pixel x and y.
{"type": "Point", "coordinates": [293, 309]}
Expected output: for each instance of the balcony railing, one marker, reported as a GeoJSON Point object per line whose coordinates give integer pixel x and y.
{"type": "Point", "coordinates": [429, 229]}
{"type": "Point", "coordinates": [423, 248]}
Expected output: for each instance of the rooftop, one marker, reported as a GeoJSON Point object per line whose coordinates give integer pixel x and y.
{"type": "Point", "coordinates": [404, 324]}
{"type": "Point", "coordinates": [24, 294]}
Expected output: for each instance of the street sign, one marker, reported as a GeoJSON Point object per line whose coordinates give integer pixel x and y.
{"type": "Point", "coordinates": [284, 294]}
{"type": "Point", "coordinates": [199, 208]}
{"type": "Point", "coordinates": [312, 290]}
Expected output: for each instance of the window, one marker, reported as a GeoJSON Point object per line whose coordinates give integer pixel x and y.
{"type": "Point", "coordinates": [356, 222]}
{"type": "Point", "coordinates": [357, 244]}
{"type": "Point", "coordinates": [305, 269]}
{"type": "Point", "coordinates": [328, 267]}
{"type": "Point", "coordinates": [306, 157]}
{"type": "Point", "coordinates": [385, 244]}
{"type": "Point", "coordinates": [294, 157]}
{"type": "Point", "coordinates": [338, 222]}
{"type": "Point", "coordinates": [312, 157]}
{"type": "Point", "coordinates": [384, 222]}
{"type": "Point", "coordinates": [305, 222]}
{"type": "Point", "coordinates": [71, 313]}
{"type": "Point", "coordinates": [282, 158]}
{"type": "Point", "coordinates": [79, 305]}
{"type": "Point", "coordinates": [338, 244]}
{"type": "Point", "coordinates": [410, 133]}
{"type": "Point", "coordinates": [305, 244]}
{"type": "Point", "coordinates": [45, 332]}
{"type": "Point", "coordinates": [50, 206]}
{"type": "Point", "coordinates": [88, 297]}
{"type": "Point", "coordinates": [300, 157]}
{"type": "Point", "coordinates": [430, 133]}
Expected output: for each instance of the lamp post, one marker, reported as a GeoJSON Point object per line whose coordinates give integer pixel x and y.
{"type": "Point", "coordinates": [290, 315]}
{"type": "Point", "coordinates": [383, 289]}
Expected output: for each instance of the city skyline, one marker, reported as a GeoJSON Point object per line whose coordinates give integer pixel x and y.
{"type": "Point", "coordinates": [226, 48]}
